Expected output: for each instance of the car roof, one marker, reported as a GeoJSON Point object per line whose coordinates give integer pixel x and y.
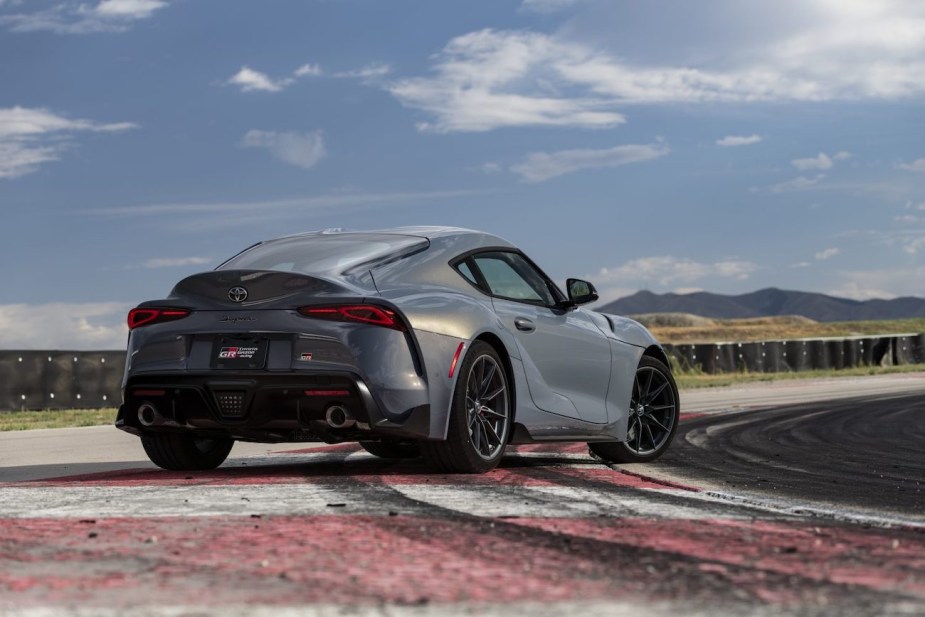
{"type": "Point", "coordinates": [423, 231]}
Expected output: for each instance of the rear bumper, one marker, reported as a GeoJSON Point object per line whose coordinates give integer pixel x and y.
{"type": "Point", "coordinates": [266, 407]}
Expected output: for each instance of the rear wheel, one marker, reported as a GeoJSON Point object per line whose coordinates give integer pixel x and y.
{"type": "Point", "coordinates": [480, 418]}
{"type": "Point", "coordinates": [184, 452]}
{"type": "Point", "coordinates": [653, 421]}
{"type": "Point", "coordinates": [391, 449]}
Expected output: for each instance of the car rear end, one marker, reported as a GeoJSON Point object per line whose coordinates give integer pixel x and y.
{"type": "Point", "coordinates": [288, 341]}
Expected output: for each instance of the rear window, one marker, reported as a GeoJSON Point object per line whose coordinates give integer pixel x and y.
{"type": "Point", "coordinates": [321, 254]}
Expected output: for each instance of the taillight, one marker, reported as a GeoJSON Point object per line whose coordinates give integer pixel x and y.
{"type": "Point", "coordinates": [147, 316]}
{"type": "Point", "coordinates": [361, 313]}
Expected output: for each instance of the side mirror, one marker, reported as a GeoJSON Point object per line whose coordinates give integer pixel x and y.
{"type": "Point", "coordinates": [580, 292]}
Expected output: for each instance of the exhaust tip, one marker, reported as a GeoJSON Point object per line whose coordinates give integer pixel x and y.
{"type": "Point", "coordinates": [147, 414]}
{"type": "Point", "coordinates": [337, 416]}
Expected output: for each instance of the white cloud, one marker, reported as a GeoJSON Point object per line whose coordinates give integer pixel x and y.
{"type": "Point", "coordinates": [687, 290]}
{"type": "Point", "coordinates": [19, 158]}
{"type": "Point", "coordinates": [541, 166]}
{"type": "Point", "coordinates": [367, 72]}
{"type": "Point", "coordinates": [488, 79]}
{"type": "Point", "coordinates": [303, 150]}
{"type": "Point", "coordinates": [490, 168]}
{"type": "Point", "coordinates": [827, 253]}
{"type": "Point", "coordinates": [30, 122]}
{"type": "Point", "coordinates": [738, 140]}
{"type": "Point", "coordinates": [79, 18]}
{"type": "Point", "coordinates": [797, 184]}
{"type": "Point", "coordinates": [842, 156]}
{"type": "Point", "coordinates": [910, 239]}
{"type": "Point", "coordinates": [861, 291]}
{"type": "Point", "coordinates": [129, 9]}
{"type": "Point", "coordinates": [668, 270]}
{"type": "Point", "coordinates": [308, 69]}
{"type": "Point", "coordinates": [70, 326]}
{"type": "Point", "coordinates": [30, 137]}
{"type": "Point", "coordinates": [918, 166]}
{"type": "Point", "coordinates": [912, 246]}
{"type": "Point", "coordinates": [909, 219]}
{"type": "Point", "coordinates": [175, 262]}
{"type": "Point", "coordinates": [885, 284]}
{"type": "Point", "coordinates": [254, 81]}
{"type": "Point", "coordinates": [826, 50]}
{"type": "Point", "coordinates": [821, 161]}
{"type": "Point", "coordinates": [800, 265]}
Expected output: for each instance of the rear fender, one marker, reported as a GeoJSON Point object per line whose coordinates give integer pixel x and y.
{"type": "Point", "coordinates": [439, 352]}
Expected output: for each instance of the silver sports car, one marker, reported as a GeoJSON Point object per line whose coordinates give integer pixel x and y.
{"type": "Point", "coordinates": [435, 342]}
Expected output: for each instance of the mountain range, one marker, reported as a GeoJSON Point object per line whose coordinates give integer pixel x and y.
{"type": "Point", "coordinates": [767, 303]}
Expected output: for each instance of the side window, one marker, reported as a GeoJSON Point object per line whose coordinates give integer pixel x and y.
{"type": "Point", "coordinates": [510, 276]}
{"type": "Point", "coordinates": [463, 268]}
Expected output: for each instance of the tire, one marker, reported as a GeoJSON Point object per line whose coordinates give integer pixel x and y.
{"type": "Point", "coordinates": [184, 452]}
{"type": "Point", "coordinates": [653, 421]}
{"type": "Point", "coordinates": [480, 416]}
{"type": "Point", "coordinates": [391, 449]}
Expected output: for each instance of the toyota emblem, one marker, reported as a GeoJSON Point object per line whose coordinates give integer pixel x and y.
{"type": "Point", "coordinates": [237, 294]}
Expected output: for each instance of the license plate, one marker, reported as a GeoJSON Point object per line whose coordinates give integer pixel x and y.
{"type": "Point", "coordinates": [239, 353]}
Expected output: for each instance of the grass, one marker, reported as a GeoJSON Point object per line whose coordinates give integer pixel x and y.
{"type": "Point", "coordinates": [780, 328]}
{"type": "Point", "coordinates": [55, 418]}
{"type": "Point", "coordinates": [688, 380]}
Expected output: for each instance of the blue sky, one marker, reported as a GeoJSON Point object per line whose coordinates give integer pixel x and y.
{"type": "Point", "coordinates": [720, 145]}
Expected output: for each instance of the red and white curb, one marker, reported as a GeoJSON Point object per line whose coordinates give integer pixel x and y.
{"type": "Point", "coordinates": [334, 531]}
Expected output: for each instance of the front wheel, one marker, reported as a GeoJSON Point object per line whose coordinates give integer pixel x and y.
{"type": "Point", "coordinates": [184, 452]}
{"type": "Point", "coordinates": [653, 417]}
{"type": "Point", "coordinates": [480, 418]}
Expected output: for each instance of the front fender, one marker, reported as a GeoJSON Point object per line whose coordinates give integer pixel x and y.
{"type": "Point", "coordinates": [629, 331]}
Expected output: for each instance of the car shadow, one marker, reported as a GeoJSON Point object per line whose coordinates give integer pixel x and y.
{"type": "Point", "coordinates": [330, 467]}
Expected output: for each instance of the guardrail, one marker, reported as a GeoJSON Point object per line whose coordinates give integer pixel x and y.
{"type": "Point", "coordinates": [92, 379]}
{"type": "Point", "coordinates": [801, 354]}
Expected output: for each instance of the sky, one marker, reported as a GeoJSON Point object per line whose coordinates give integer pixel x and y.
{"type": "Point", "coordinates": [722, 145]}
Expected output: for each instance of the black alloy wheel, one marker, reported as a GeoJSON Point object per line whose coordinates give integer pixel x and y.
{"type": "Point", "coordinates": [480, 420]}
{"type": "Point", "coordinates": [653, 417]}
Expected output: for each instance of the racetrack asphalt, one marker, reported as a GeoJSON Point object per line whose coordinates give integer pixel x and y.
{"type": "Point", "coordinates": [808, 509]}
{"type": "Point", "coordinates": [863, 454]}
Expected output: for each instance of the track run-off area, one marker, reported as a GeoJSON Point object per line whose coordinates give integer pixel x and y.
{"type": "Point", "coordinates": [796, 498]}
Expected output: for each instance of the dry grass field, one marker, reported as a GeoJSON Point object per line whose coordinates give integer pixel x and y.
{"type": "Point", "coordinates": [679, 328]}
{"type": "Point", "coordinates": [55, 418]}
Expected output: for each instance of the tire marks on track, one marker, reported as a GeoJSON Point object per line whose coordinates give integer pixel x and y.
{"type": "Point", "coordinates": [335, 527]}
{"type": "Point", "coordinates": [863, 454]}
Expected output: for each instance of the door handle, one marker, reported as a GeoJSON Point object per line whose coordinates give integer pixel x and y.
{"type": "Point", "coordinates": [523, 324]}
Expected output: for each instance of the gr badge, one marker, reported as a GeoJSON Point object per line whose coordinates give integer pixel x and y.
{"type": "Point", "coordinates": [245, 353]}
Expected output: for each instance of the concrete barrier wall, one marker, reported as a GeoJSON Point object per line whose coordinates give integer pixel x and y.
{"type": "Point", "coordinates": [92, 379]}
{"type": "Point", "coordinates": [800, 355]}
{"type": "Point", "coordinates": [60, 379]}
